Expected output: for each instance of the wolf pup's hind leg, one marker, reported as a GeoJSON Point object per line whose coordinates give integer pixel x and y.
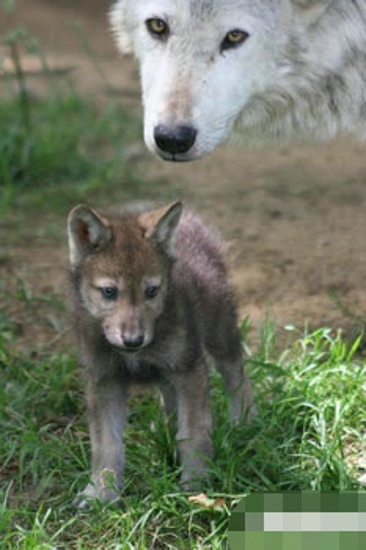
{"type": "Point", "coordinates": [226, 351]}
{"type": "Point", "coordinates": [239, 389]}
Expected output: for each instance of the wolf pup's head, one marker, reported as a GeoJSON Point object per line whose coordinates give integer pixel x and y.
{"type": "Point", "coordinates": [122, 264]}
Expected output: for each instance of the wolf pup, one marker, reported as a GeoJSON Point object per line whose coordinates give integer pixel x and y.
{"type": "Point", "coordinates": [151, 303]}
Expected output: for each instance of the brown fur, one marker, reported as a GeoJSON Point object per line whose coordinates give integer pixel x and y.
{"type": "Point", "coordinates": [165, 339]}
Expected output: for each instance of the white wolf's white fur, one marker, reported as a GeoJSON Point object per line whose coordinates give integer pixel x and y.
{"type": "Point", "coordinates": [301, 73]}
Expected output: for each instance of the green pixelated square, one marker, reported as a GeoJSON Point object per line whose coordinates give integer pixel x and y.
{"type": "Point", "coordinates": [273, 541]}
{"type": "Point", "coordinates": [313, 540]}
{"type": "Point", "coordinates": [330, 502]}
{"type": "Point", "coordinates": [349, 501]}
{"type": "Point", "coordinates": [330, 541]}
{"type": "Point", "coordinates": [273, 502]}
{"type": "Point", "coordinates": [252, 540]}
{"type": "Point", "coordinates": [311, 501]}
{"type": "Point", "coordinates": [237, 521]}
{"type": "Point", "coordinates": [237, 540]}
{"type": "Point", "coordinates": [292, 502]}
{"type": "Point", "coordinates": [291, 541]}
{"type": "Point", "coordinates": [361, 502]}
{"type": "Point", "coordinates": [254, 521]}
{"type": "Point", "coordinates": [254, 503]}
{"type": "Point", "coordinates": [351, 540]}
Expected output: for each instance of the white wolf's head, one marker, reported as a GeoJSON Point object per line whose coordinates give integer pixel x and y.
{"type": "Point", "coordinates": [203, 62]}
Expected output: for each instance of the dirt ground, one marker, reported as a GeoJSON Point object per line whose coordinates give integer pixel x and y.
{"type": "Point", "coordinates": [295, 218]}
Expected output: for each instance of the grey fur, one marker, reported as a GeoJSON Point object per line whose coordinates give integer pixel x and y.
{"type": "Point", "coordinates": [191, 321]}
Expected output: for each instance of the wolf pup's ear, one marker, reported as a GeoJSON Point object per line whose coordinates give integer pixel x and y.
{"type": "Point", "coordinates": [160, 225]}
{"type": "Point", "coordinates": [87, 232]}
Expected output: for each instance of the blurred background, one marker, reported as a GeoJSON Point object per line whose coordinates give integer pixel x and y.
{"type": "Point", "coordinates": [70, 132]}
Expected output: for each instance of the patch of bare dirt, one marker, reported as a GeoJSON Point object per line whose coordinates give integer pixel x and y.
{"type": "Point", "coordinates": [295, 218]}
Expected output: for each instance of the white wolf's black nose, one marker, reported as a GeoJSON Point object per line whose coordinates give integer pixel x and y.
{"type": "Point", "coordinates": [133, 342]}
{"type": "Point", "coordinates": [174, 140]}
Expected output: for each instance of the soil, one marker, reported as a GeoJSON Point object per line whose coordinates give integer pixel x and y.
{"type": "Point", "coordinates": [295, 218]}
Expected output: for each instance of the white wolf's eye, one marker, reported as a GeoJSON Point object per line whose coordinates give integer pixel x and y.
{"type": "Point", "coordinates": [157, 28]}
{"type": "Point", "coordinates": [233, 39]}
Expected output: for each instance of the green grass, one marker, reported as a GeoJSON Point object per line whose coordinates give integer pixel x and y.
{"type": "Point", "coordinates": [311, 401]}
{"type": "Point", "coordinates": [69, 149]}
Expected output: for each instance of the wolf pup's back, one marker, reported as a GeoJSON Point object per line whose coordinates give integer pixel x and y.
{"type": "Point", "coordinates": [151, 303]}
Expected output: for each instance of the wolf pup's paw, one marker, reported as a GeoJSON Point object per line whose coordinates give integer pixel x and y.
{"type": "Point", "coordinates": [191, 479]}
{"type": "Point", "coordinates": [104, 489]}
{"type": "Point", "coordinates": [190, 485]}
{"type": "Point", "coordinates": [90, 495]}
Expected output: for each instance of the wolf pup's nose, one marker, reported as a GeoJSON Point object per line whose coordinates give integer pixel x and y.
{"type": "Point", "coordinates": [133, 342]}
{"type": "Point", "coordinates": [174, 140]}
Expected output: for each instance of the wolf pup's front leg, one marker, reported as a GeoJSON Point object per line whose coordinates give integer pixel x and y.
{"type": "Point", "coordinates": [194, 425]}
{"type": "Point", "coordinates": [106, 401]}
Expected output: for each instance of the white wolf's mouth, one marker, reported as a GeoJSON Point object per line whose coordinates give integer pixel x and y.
{"type": "Point", "coordinates": [176, 158]}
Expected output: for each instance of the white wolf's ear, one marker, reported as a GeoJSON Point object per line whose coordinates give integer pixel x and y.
{"type": "Point", "coordinates": [160, 225]}
{"type": "Point", "coordinates": [87, 232]}
{"type": "Point", "coordinates": [311, 10]}
{"type": "Point", "coordinates": [117, 19]}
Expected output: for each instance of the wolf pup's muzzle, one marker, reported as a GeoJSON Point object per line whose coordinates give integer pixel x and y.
{"type": "Point", "coordinates": [133, 342]}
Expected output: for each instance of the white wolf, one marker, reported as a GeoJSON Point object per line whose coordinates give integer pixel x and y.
{"type": "Point", "coordinates": [266, 69]}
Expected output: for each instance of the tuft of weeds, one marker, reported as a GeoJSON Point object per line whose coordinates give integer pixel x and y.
{"type": "Point", "coordinates": [59, 145]}
{"type": "Point", "coordinates": [311, 402]}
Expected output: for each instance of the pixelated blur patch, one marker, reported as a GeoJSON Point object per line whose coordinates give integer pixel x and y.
{"type": "Point", "coordinates": [299, 521]}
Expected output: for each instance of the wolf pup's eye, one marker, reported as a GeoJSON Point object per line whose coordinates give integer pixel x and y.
{"type": "Point", "coordinates": [233, 39]}
{"type": "Point", "coordinates": [109, 292]}
{"type": "Point", "coordinates": [157, 28]}
{"type": "Point", "coordinates": [151, 291]}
